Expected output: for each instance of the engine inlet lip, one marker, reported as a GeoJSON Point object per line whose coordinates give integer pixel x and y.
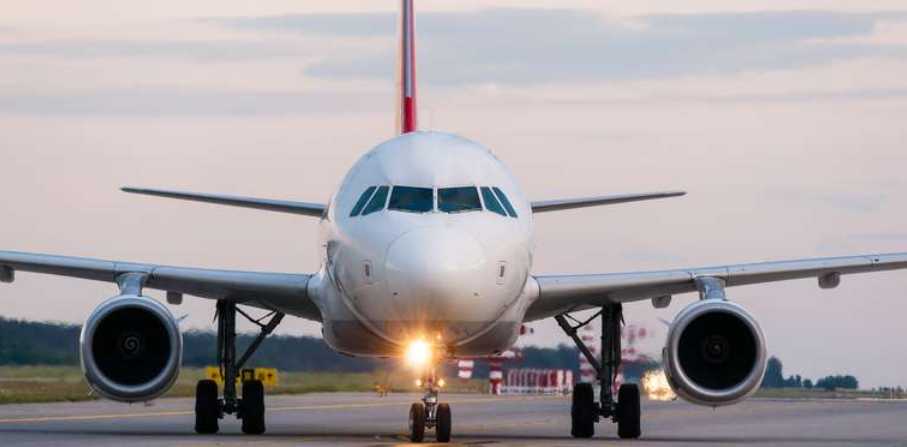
{"type": "Point", "coordinates": [111, 389]}
{"type": "Point", "coordinates": [695, 392]}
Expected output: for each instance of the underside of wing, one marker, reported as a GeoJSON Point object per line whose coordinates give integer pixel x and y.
{"type": "Point", "coordinates": [566, 204]}
{"type": "Point", "coordinates": [564, 293]}
{"type": "Point", "coordinates": [286, 292]}
{"type": "Point", "coordinates": [282, 206]}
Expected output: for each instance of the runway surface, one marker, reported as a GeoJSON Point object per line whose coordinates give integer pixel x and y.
{"type": "Point", "coordinates": [364, 419]}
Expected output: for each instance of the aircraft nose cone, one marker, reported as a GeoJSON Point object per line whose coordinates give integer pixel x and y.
{"type": "Point", "coordinates": [435, 274]}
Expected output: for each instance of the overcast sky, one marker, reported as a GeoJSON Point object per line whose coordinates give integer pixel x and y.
{"type": "Point", "coordinates": [783, 120]}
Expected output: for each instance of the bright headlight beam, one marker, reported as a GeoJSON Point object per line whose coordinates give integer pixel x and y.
{"type": "Point", "coordinates": [418, 354]}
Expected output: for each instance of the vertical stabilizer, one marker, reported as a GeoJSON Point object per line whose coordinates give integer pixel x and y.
{"type": "Point", "coordinates": [406, 72]}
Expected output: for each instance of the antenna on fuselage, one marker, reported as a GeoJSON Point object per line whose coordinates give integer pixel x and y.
{"type": "Point", "coordinates": [406, 70]}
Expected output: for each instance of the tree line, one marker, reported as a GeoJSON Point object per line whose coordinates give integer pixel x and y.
{"type": "Point", "coordinates": [34, 343]}
{"type": "Point", "coordinates": [774, 378]}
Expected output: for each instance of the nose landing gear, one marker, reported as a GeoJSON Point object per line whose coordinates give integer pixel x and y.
{"type": "Point", "coordinates": [430, 413]}
{"type": "Point", "coordinates": [585, 412]}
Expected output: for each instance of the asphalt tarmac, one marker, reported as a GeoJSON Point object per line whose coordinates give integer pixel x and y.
{"type": "Point", "coordinates": [365, 419]}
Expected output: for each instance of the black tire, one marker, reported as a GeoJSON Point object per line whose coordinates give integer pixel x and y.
{"type": "Point", "coordinates": [207, 409]}
{"type": "Point", "coordinates": [417, 422]}
{"type": "Point", "coordinates": [582, 413]}
{"type": "Point", "coordinates": [442, 429]}
{"type": "Point", "coordinates": [628, 411]}
{"type": "Point", "coordinates": [253, 407]}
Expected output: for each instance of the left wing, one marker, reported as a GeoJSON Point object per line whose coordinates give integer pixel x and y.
{"type": "Point", "coordinates": [276, 291]}
{"type": "Point", "coordinates": [564, 293]}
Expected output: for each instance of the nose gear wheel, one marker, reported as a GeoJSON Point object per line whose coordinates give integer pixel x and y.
{"type": "Point", "coordinates": [430, 413]}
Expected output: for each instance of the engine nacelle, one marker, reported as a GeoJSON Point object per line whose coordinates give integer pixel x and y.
{"type": "Point", "coordinates": [131, 349]}
{"type": "Point", "coordinates": [715, 353]}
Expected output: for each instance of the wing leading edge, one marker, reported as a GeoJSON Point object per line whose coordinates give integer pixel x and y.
{"type": "Point", "coordinates": [277, 291]}
{"type": "Point", "coordinates": [563, 293]}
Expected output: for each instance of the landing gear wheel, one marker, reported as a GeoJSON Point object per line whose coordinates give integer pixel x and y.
{"type": "Point", "coordinates": [628, 411]}
{"type": "Point", "coordinates": [442, 429]}
{"type": "Point", "coordinates": [206, 407]}
{"type": "Point", "coordinates": [582, 413]}
{"type": "Point", "coordinates": [417, 422]}
{"type": "Point", "coordinates": [252, 407]}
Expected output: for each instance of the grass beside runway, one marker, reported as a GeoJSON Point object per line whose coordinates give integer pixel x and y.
{"type": "Point", "coordinates": [815, 393]}
{"type": "Point", "coordinates": [29, 384]}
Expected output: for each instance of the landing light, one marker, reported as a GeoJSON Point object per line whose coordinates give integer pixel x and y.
{"type": "Point", "coordinates": [418, 354]}
{"type": "Point", "coordinates": [655, 385]}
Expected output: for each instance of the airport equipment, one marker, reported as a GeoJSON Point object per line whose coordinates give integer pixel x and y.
{"type": "Point", "coordinates": [267, 376]}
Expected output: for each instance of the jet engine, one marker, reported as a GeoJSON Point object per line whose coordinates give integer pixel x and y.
{"type": "Point", "coordinates": [131, 349]}
{"type": "Point", "coordinates": [715, 353]}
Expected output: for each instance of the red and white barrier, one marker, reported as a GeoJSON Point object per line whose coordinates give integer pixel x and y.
{"type": "Point", "coordinates": [537, 381]}
{"type": "Point", "coordinates": [587, 334]}
{"type": "Point", "coordinates": [495, 377]}
{"type": "Point", "coordinates": [465, 368]}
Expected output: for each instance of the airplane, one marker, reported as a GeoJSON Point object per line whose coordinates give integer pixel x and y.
{"type": "Point", "coordinates": [427, 255]}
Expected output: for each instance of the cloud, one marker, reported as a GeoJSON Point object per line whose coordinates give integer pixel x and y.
{"type": "Point", "coordinates": [93, 48]}
{"type": "Point", "coordinates": [207, 66]}
{"type": "Point", "coordinates": [538, 46]}
{"type": "Point", "coordinates": [802, 96]}
{"type": "Point", "coordinates": [855, 200]}
{"type": "Point", "coordinates": [519, 46]}
{"type": "Point", "coordinates": [174, 101]}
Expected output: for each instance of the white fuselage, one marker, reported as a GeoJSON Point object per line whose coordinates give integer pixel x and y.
{"type": "Point", "coordinates": [457, 279]}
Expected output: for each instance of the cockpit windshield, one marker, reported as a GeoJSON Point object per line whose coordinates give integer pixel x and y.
{"type": "Point", "coordinates": [411, 199]}
{"type": "Point", "coordinates": [491, 202]}
{"type": "Point", "coordinates": [505, 201]}
{"type": "Point", "coordinates": [459, 200]}
{"type": "Point", "coordinates": [363, 199]}
{"type": "Point", "coordinates": [377, 202]}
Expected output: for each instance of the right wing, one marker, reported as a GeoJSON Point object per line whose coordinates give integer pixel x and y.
{"type": "Point", "coordinates": [565, 293]}
{"type": "Point", "coordinates": [286, 292]}
{"type": "Point", "coordinates": [283, 206]}
{"type": "Point", "coordinates": [567, 204]}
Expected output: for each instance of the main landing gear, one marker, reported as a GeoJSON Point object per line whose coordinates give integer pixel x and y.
{"type": "Point", "coordinates": [428, 413]}
{"type": "Point", "coordinates": [251, 407]}
{"type": "Point", "coordinates": [585, 412]}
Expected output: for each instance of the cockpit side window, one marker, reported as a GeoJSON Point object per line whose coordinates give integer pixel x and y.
{"type": "Point", "coordinates": [363, 199]}
{"type": "Point", "coordinates": [459, 200]}
{"type": "Point", "coordinates": [411, 199]}
{"type": "Point", "coordinates": [505, 202]}
{"type": "Point", "coordinates": [491, 202]}
{"type": "Point", "coordinates": [377, 202]}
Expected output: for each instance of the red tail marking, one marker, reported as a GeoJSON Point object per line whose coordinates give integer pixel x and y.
{"type": "Point", "coordinates": [406, 112]}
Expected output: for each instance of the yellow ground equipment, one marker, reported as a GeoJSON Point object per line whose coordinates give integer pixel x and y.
{"type": "Point", "coordinates": [267, 376]}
